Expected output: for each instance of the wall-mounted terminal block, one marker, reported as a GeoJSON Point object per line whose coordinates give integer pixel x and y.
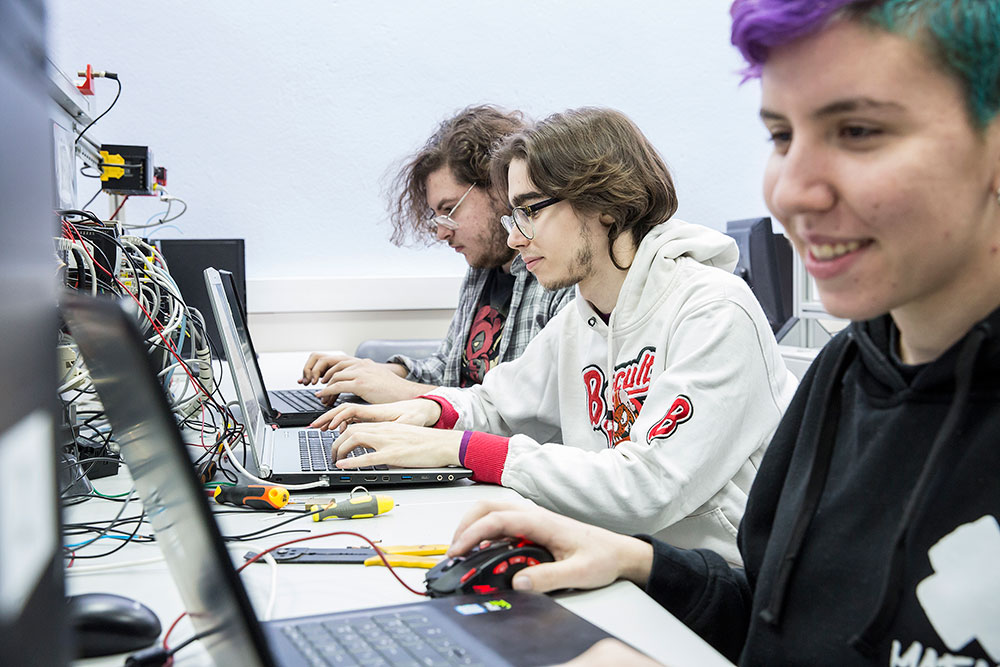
{"type": "Point", "coordinates": [127, 170]}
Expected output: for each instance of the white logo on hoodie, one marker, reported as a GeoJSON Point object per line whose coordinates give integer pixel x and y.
{"type": "Point", "coordinates": [962, 597]}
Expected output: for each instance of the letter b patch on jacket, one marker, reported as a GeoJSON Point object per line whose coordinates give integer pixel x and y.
{"type": "Point", "coordinates": [680, 411]}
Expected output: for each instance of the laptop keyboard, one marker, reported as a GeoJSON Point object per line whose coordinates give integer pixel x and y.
{"type": "Point", "coordinates": [303, 399]}
{"type": "Point", "coordinates": [397, 639]}
{"type": "Point", "coordinates": [315, 452]}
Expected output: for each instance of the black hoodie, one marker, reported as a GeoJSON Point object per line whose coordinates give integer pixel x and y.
{"type": "Point", "coordinates": [870, 535]}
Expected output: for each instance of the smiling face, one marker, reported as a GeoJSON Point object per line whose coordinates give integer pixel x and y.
{"type": "Point", "coordinates": [479, 237]}
{"type": "Point", "coordinates": [881, 181]}
{"type": "Point", "coordinates": [566, 248]}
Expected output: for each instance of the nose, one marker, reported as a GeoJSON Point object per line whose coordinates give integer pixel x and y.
{"type": "Point", "coordinates": [515, 239]}
{"type": "Point", "coordinates": [443, 233]}
{"type": "Point", "coordinates": [799, 181]}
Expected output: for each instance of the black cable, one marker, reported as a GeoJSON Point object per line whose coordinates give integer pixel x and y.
{"type": "Point", "coordinates": [121, 546]}
{"type": "Point", "coordinates": [156, 656]}
{"type": "Point", "coordinates": [90, 464]}
{"type": "Point", "coordinates": [91, 200]}
{"type": "Point", "coordinates": [105, 530]}
{"type": "Point", "coordinates": [246, 536]}
{"type": "Point", "coordinates": [113, 77]}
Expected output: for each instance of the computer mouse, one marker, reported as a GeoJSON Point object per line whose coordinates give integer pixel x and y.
{"type": "Point", "coordinates": [104, 623]}
{"type": "Point", "coordinates": [485, 570]}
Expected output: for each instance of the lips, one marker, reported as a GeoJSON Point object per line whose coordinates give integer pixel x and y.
{"type": "Point", "coordinates": [531, 262]}
{"type": "Point", "coordinates": [826, 252]}
{"type": "Point", "coordinates": [829, 259]}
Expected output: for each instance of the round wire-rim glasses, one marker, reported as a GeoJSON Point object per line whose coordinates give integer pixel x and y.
{"type": "Point", "coordinates": [446, 220]}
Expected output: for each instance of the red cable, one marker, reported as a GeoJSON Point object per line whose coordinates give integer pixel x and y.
{"type": "Point", "coordinates": [120, 207]}
{"type": "Point", "coordinates": [339, 532]}
{"type": "Point", "coordinates": [374, 546]}
{"type": "Point", "coordinates": [156, 327]}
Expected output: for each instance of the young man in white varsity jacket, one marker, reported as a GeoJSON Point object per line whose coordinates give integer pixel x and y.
{"type": "Point", "coordinates": [646, 405]}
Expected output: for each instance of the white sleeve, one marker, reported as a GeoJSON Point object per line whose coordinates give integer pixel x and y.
{"type": "Point", "coordinates": [716, 402]}
{"type": "Point", "coordinates": [518, 396]}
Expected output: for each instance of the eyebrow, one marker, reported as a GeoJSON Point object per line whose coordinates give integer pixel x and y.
{"type": "Point", "coordinates": [839, 107]}
{"type": "Point", "coordinates": [520, 199]}
{"type": "Point", "coordinates": [446, 202]}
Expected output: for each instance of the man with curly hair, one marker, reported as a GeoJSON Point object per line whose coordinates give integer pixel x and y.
{"type": "Point", "coordinates": [444, 192]}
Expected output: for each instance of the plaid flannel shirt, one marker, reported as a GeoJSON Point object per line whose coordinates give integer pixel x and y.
{"type": "Point", "coordinates": [531, 307]}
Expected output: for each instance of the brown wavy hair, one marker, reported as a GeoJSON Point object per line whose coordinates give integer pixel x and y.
{"type": "Point", "coordinates": [463, 143]}
{"type": "Point", "coordinates": [598, 161]}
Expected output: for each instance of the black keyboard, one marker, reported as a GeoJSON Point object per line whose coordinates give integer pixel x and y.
{"type": "Point", "coordinates": [303, 399]}
{"type": "Point", "coordinates": [396, 639]}
{"type": "Point", "coordinates": [315, 452]}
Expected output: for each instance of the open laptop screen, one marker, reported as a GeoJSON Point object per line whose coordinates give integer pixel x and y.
{"type": "Point", "coordinates": [248, 391]}
{"type": "Point", "coordinates": [164, 476]}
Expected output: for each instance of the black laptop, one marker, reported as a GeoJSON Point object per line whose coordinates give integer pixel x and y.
{"type": "Point", "coordinates": [282, 407]}
{"type": "Point", "coordinates": [498, 629]}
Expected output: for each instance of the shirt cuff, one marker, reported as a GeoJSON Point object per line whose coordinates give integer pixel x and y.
{"type": "Point", "coordinates": [449, 415]}
{"type": "Point", "coordinates": [485, 454]}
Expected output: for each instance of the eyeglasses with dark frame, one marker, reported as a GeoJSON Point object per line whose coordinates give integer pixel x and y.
{"type": "Point", "coordinates": [446, 220]}
{"type": "Point", "coordinates": [522, 217]}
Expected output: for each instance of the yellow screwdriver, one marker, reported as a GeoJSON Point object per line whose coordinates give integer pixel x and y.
{"type": "Point", "coordinates": [356, 507]}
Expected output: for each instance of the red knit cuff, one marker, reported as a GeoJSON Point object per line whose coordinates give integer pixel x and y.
{"type": "Point", "coordinates": [449, 415]}
{"type": "Point", "coordinates": [485, 454]}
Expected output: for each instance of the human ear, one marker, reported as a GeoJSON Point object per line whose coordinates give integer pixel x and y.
{"type": "Point", "coordinates": [606, 219]}
{"type": "Point", "coordinates": [993, 140]}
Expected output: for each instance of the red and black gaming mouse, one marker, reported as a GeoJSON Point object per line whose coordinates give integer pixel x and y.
{"type": "Point", "coordinates": [485, 570]}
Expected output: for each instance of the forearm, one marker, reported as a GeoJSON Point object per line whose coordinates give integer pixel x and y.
{"type": "Point", "coordinates": [704, 592]}
{"type": "Point", "coordinates": [405, 390]}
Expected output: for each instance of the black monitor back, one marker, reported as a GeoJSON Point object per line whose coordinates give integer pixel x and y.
{"type": "Point", "coordinates": [766, 264]}
{"type": "Point", "coordinates": [33, 629]}
{"type": "Point", "coordinates": [188, 259]}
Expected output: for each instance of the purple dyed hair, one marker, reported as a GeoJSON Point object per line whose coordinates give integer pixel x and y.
{"type": "Point", "coordinates": [963, 36]}
{"type": "Point", "coordinates": [759, 25]}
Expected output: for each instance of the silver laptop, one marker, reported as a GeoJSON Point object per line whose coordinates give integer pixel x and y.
{"type": "Point", "coordinates": [501, 628]}
{"type": "Point", "coordinates": [297, 455]}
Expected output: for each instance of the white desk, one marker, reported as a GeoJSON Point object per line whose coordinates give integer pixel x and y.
{"type": "Point", "coordinates": [422, 515]}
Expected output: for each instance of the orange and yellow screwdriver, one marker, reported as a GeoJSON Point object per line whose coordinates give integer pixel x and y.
{"type": "Point", "coordinates": [257, 496]}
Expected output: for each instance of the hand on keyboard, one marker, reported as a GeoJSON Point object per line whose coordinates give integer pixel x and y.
{"type": "Point", "coordinates": [399, 445]}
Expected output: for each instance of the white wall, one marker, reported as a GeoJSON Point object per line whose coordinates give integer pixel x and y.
{"type": "Point", "coordinates": [278, 120]}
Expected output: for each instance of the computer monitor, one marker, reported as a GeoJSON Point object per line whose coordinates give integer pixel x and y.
{"type": "Point", "coordinates": [33, 629]}
{"type": "Point", "coordinates": [766, 264]}
{"type": "Point", "coordinates": [188, 259]}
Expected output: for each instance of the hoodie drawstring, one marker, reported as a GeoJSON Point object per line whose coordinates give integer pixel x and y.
{"type": "Point", "coordinates": [892, 587]}
{"type": "Point", "coordinates": [823, 453]}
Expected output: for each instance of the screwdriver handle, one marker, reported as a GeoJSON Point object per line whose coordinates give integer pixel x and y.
{"type": "Point", "coordinates": [256, 496]}
{"type": "Point", "coordinates": [357, 507]}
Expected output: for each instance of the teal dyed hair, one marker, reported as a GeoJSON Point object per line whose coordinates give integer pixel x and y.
{"type": "Point", "coordinates": [962, 35]}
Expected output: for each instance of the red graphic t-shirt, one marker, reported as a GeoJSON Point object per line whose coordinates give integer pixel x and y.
{"type": "Point", "coordinates": [482, 347]}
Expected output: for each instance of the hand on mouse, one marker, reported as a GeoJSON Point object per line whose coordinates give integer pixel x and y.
{"type": "Point", "coordinates": [586, 556]}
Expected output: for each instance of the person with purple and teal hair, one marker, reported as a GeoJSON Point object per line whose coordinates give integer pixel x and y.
{"type": "Point", "coordinates": [871, 533]}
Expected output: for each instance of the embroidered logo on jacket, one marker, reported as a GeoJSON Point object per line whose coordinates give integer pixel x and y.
{"type": "Point", "coordinates": [680, 411]}
{"type": "Point", "coordinates": [628, 393]}
{"type": "Point", "coordinates": [962, 597]}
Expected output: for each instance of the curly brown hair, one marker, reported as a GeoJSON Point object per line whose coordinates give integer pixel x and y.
{"type": "Point", "coordinates": [598, 161]}
{"type": "Point", "coordinates": [463, 143]}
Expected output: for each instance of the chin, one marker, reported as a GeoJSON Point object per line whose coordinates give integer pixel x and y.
{"type": "Point", "coordinates": [554, 284]}
{"type": "Point", "coordinates": [488, 261]}
{"type": "Point", "coordinates": [852, 308]}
